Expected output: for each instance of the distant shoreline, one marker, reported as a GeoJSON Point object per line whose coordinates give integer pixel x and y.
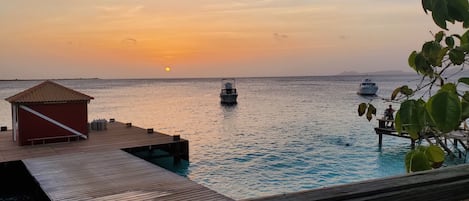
{"type": "Point", "coordinates": [346, 73]}
{"type": "Point", "coordinates": [214, 78]}
{"type": "Point", "coordinates": [1, 80]}
{"type": "Point", "coordinates": [376, 73]}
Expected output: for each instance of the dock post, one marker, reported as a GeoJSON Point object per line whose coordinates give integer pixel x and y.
{"type": "Point", "coordinates": [175, 152]}
{"type": "Point", "coordinates": [150, 151]}
{"type": "Point", "coordinates": [412, 143]}
{"type": "Point", "coordinates": [380, 140]}
{"type": "Point", "coordinates": [382, 123]}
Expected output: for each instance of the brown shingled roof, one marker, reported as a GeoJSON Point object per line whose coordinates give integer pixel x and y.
{"type": "Point", "coordinates": [48, 91]}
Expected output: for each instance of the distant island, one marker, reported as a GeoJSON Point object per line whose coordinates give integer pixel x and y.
{"type": "Point", "coordinates": [389, 72]}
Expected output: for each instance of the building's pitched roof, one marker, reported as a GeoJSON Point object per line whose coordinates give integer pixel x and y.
{"type": "Point", "coordinates": [48, 91]}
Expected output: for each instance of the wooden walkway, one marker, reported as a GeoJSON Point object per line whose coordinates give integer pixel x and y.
{"type": "Point", "coordinates": [98, 168]}
{"type": "Point", "coordinates": [117, 136]}
{"type": "Point", "coordinates": [112, 175]}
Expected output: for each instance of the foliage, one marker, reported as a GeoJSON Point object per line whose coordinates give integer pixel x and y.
{"type": "Point", "coordinates": [369, 109]}
{"type": "Point", "coordinates": [424, 158]}
{"type": "Point", "coordinates": [445, 110]}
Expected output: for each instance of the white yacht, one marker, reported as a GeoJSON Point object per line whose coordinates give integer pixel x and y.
{"type": "Point", "coordinates": [367, 87]}
{"type": "Point", "coordinates": [228, 94]}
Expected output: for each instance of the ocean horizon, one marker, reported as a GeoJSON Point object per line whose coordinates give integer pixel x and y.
{"type": "Point", "coordinates": [341, 74]}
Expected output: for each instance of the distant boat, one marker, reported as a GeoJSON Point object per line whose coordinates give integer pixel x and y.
{"type": "Point", "coordinates": [228, 94]}
{"type": "Point", "coordinates": [367, 87]}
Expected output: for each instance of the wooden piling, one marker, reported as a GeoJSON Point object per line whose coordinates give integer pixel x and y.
{"type": "Point", "coordinates": [380, 139]}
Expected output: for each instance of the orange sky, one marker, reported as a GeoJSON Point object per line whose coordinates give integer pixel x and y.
{"type": "Point", "coordinates": [206, 38]}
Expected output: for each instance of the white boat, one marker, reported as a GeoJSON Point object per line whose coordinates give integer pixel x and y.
{"type": "Point", "coordinates": [367, 87]}
{"type": "Point", "coordinates": [228, 94]}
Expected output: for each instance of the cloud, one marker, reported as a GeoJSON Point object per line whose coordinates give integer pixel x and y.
{"type": "Point", "coordinates": [129, 41]}
{"type": "Point", "coordinates": [279, 36]}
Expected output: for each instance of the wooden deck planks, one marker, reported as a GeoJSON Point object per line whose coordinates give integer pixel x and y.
{"type": "Point", "coordinates": [117, 136]}
{"type": "Point", "coordinates": [97, 168]}
{"type": "Point", "coordinates": [112, 175]}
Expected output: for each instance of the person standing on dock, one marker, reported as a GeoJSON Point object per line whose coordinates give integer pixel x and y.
{"type": "Point", "coordinates": [388, 115]}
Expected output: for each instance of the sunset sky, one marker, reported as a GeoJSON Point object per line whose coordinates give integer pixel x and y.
{"type": "Point", "coordinates": [207, 38]}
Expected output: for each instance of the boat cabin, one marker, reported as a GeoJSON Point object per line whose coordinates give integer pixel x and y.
{"type": "Point", "coordinates": [228, 94]}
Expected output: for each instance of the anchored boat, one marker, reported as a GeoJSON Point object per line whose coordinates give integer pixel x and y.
{"type": "Point", "coordinates": [228, 94]}
{"type": "Point", "coordinates": [367, 87]}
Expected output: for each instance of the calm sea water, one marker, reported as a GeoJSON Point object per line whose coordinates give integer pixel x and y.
{"type": "Point", "coordinates": [286, 134]}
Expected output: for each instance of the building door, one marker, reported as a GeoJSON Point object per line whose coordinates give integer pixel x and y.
{"type": "Point", "coordinates": [14, 112]}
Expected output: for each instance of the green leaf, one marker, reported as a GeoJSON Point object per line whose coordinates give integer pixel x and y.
{"type": "Point", "coordinates": [450, 87]}
{"type": "Point", "coordinates": [418, 161]}
{"type": "Point", "coordinates": [449, 41]}
{"type": "Point", "coordinates": [435, 154]}
{"type": "Point", "coordinates": [361, 109]}
{"type": "Point", "coordinates": [372, 109]}
{"type": "Point", "coordinates": [411, 60]}
{"type": "Point", "coordinates": [440, 13]}
{"type": "Point", "coordinates": [458, 10]}
{"type": "Point", "coordinates": [424, 158]}
{"type": "Point", "coordinates": [408, 159]}
{"type": "Point", "coordinates": [456, 56]}
{"type": "Point", "coordinates": [422, 66]}
{"type": "Point", "coordinates": [370, 112]}
{"type": "Point", "coordinates": [398, 123]}
{"type": "Point", "coordinates": [465, 106]}
{"type": "Point", "coordinates": [427, 5]}
{"type": "Point", "coordinates": [464, 110]}
{"type": "Point", "coordinates": [395, 92]}
{"type": "Point", "coordinates": [427, 118]}
{"type": "Point", "coordinates": [465, 38]}
{"type": "Point", "coordinates": [421, 149]}
{"type": "Point", "coordinates": [466, 96]}
{"type": "Point", "coordinates": [441, 55]}
{"type": "Point", "coordinates": [464, 47]}
{"type": "Point", "coordinates": [466, 23]}
{"type": "Point", "coordinates": [464, 80]}
{"type": "Point", "coordinates": [439, 36]}
{"type": "Point", "coordinates": [406, 90]}
{"type": "Point", "coordinates": [412, 117]}
{"type": "Point", "coordinates": [432, 51]}
{"type": "Point", "coordinates": [444, 109]}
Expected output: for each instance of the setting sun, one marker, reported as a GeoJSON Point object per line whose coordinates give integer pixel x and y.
{"type": "Point", "coordinates": [167, 69]}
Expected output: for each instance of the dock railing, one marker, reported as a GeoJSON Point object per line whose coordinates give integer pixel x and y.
{"type": "Point", "coordinates": [445, 140]}
{"type": "Point", "coordinates": [383, 129]}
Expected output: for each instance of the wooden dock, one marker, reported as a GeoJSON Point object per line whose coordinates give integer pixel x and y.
{"type": "Point", "coordinates": [382, 129]}
{"type": "Point", "coordinates": [117, 136]}
{"type": "Point", "coordinates": [112, 175]}
{"type": "Point", "coordinates": [99, 169]}
{"type": "Point", "coordinates": [458, 139]}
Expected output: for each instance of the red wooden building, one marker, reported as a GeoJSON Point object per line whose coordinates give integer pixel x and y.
{"type": "Point", "coordinates": [49, 112]}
